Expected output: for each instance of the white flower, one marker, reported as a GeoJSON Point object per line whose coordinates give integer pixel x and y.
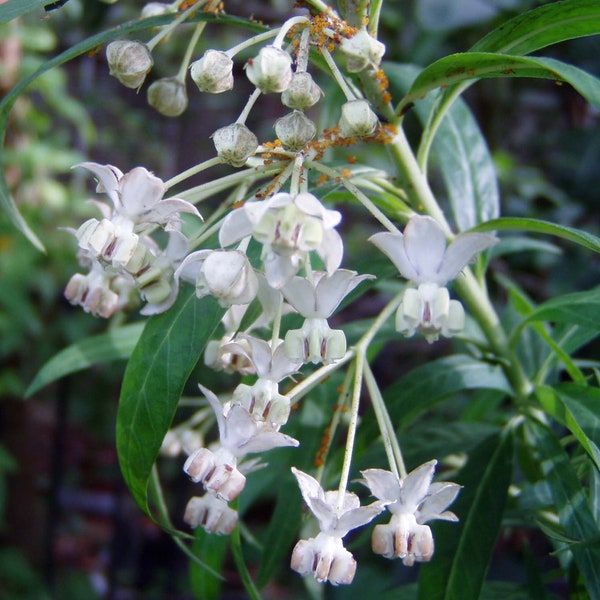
{"type": "Point", "coordinates": [413, 501]}
{"type": "Point", "coordinates": [239, 434]}
{"type": "Point", "coordinates": [129, 62]}
{"type": "Point", "coordinates": [262, 400]}
{"type": "Point", "coordinates": [316, 301]}
{"type": "Point", "coordinates": [421, 255]}
{"type": "Point", "coordinates": [225, 274]}
{"type": "Point", "coordinates": [288, 227]}
{"type": "Point", "coordinates": [211, 513]}
{"type": "Point", "coordinates": [138, 205]}
{"type": "Point", "coordinates": [325, 555]}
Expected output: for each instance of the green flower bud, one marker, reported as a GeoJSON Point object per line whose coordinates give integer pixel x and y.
{"type": "Point", "coordinates": [156, 9]}
{"type": "Point", "coordinates": [129, 62]}
{"type": "Point", "coordinates": [362, 50]}
{"type": "Point", "coordinates": [357, 120]}
{"type": "Point", "coordinates": [168, 96]}
{"type": "Point", "coordinates": [271, 70]}
{"type": "Point", "coordinates": [235, 144]}
{"type": "Point", "coordinates": [213, 72]}
{"type": "Point", "coordinates": [302, 92]}
{"type": "Point", "coordinates": [295, 130]}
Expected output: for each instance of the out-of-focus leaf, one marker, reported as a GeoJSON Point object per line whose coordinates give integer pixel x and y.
{"type": "Point", "coordinates": [461, 152]}
{"type": "Point", "coordinates": [579, 417]}
{"type": "Point", "coordinates": [428, 384]}
{"type": "Point", "coordinates": [543, 26]}
{"type": "Point", "coordinates": [114, 345]}
{"type": "Point", "coordinates": [458, 68]}
{"type": "Point", "coordinates": [15, 8]}
{"type": "Point", "coordinates": [464, 550]}
{"type": "Point", "coordinates": [571, 501]}
{"type": "Point", "coordinates": [579, 308]}
{"type": "Point", "coordinates": [585, 239]}
{"type": "Point", "coordinates": [210, 549]}
{"type": "Point", "coordinates": [156, 373]}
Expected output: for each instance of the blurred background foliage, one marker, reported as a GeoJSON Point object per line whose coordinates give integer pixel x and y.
{"type": "Point", "coordinates": [68, 526]}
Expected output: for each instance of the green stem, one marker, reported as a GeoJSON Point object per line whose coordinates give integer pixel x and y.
{"type": "Point", "coordinates": [240, 563]}
{"type": "Point", "coordinates": [185, 63]}
{"type": "Point", "coordinates": [163, 33]}
{"type": "Point", "coordinates": [211, 162]}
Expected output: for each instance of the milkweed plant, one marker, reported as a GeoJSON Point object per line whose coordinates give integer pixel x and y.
{"type": "Point", "coordinates": [255, 274]}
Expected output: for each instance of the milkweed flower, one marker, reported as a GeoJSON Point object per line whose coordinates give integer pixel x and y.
{"type": "Point", "coordinates": [288, 227]}
{"type": "Point", "coordinates": [211, 513]}
{"type": "Point", "coordinates": [422, 256]}
{"type": "Point", "coordinates": [413, 501]}
{"type": "Point", "coordinates": [316, 301]}
{"type": "Point", "coordinates": [324, 555]}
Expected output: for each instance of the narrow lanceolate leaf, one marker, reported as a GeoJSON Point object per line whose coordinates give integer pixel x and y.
{"type": "Point", "coordinates": [114, 345]}
{"type": "Point", "coordinates": [211, 549]}
{"type": "Point", "coordinates": [463, 550]}
{"type": "Point", "coordinates": [542, 27]}
{"type": "Point", "coordinates": [468, 66]}
{"type": "Point", "coordinates": [579, 308]}
{"type": "Point", "coordinates": [160, 365]}
{"type": "Point", "coordinates": [427, 385]}
{"type": "Point", "coordinates": [571, 501]}
{"type": "Point", "coordinates": [461, 153]}
{"type": "Point", "coordinates": [15, 8]}
{"type": "Point", "coordinates": [578, 409]}
{"type": "Point", "coordinates": [585, 239]}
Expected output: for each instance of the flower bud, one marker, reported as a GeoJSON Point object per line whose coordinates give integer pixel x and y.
{"type": "Point", "coordinates": [168, 96]}
{"type": "Point", "coordinates": [357, 120]}
{"type": "Point", "coordinates": [302, 92]}
{"type": "Point", "coordinates": [362, 50]}
{"type": "Point", "coordinates": [129, 62]}
{"type": "Point", "coordinates": [271, 70]}
{"type": "Point", "coordinates": [316, 342]}
{"type": "Point", "coordinates": [156, 9]}
{"type": "Point", "coordinates": [213, 72]}
{"type": "Point", "coordinates": [295, 130]}
{"type": "Point", "coordinates": [235, 144]}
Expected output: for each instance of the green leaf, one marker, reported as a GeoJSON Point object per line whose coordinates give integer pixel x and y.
{"type": "Point", "coordinates": [585, 239]}
{"type": "Point", "coordinates": [571, 501]}
{"type": "Point", "coordinates": [468, 66]}
{"type": "Point", "coordinates": [464, 550]}
{"type": "Point", "coordinates": [211, 549]}
{"type": "Point", "coordinates": [579, 308]}
{"type": "Point", "coordinates": [461, 152]}
{"type": "Point", "coordinates": [578, 417]}
{"type": "Point", "coordinates": [160, 365]}
{"type": "Point", "coordinates": [281, 532]}
{"type": "Point", "coordinates": [543, 26]}
{"type": "Point", "coordinates": [15, 8]}
{"type": "Point", "coordinates": [428, 384]}
{"type": "Point", "coordinates": [114, 345]}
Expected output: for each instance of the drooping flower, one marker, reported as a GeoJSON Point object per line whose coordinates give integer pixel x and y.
{"type": "Point", "coordinates": [239, 434]}
{"type": "Point", "coordinates": [211, 513]}
{"type": "Point", "coordinates": [138, 205]}
{"type": "Point", "coordinates": [288, 227]}
{"type": "Point", "coordinates": [213, 72]}
{"type": "Point", "coordinates": [422, 256]}
{"type": "Point", "coordinates": [413, 501]}
{"type": "Point", "coordinates": [324, 555]}
{"type": "Point", "coordinates": [262, 399]}
{"type": "Point", "coordinates": [270, 70]}
{"type": "Point", "coordinates": [316, 300]}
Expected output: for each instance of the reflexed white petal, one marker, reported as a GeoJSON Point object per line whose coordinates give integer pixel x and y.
{"type": "Point", "coordinates": [425, 244]}
{"type": "Point", "coordinates": [240, 428]}
{"type": "Point", "coordinates": [330, 291]}
{"type": "Point", "coordinates": [217, 407]}
{"type": "Point", "coordinates": [108, 179]}
{"type": "Point", "coordinates": [235, 227]}
{"type": "Point", "coordinates": [357, 517]}
{"type": "Point", "coordinates": [415, 487]}
{"type": "Point", "coordinates": [460, 252]}
{"type": "Point", "coordinates": [189, 269]}
{"type": "Point", "coordinates": [280, 269]}
{"type": "Point", "coordinates": [441, 495]}
{"type": "Point", "coordinates": [331, 249]}
{"type": "Point", "coordinates": [300, 293]}
{"type": "Point", "coordinates": [309, 486]}
{"type": "Point", "coordinates": [267, 439]}
{"type": "Point", "coordinates": [383, 484]}
{"type": "Point", "coordinates": [167, 210]}
{"type": "Point", "coordinates": [392, 245]}
{"type": "Point", "coordinates": [140, 191]}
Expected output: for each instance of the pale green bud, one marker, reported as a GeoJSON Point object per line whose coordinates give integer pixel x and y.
{"type": "Point", "coordinates": [357, 120]}
{"type": "Point", "coordinates": [235, 144]}
{"type": "Point", "coordinates": [295, 130]}
{"type": "Point", "coordinates": [156, 9]}
{"type": "Point", "coordinates": [271, 70]}
{"type": "Point", "coordinates": [362, 50]}
{"type": "Point", "coordinates": [129, 62]}
{"type": "Point", "coordinates": [213, 72]}
{"type": "Point", "coordinates": [168, 96]}
{"type": "Point", "coordinates": [302, 92]}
